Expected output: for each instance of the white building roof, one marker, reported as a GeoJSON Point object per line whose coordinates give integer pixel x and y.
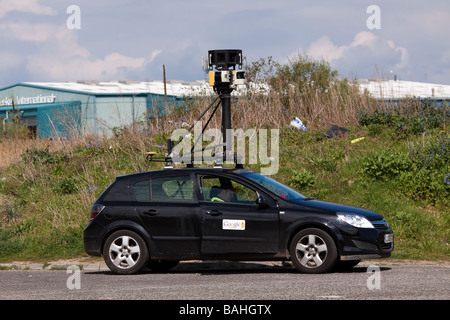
{"type": "Point", "coordinates": [390, 89]}
{"type": "Point", "coordinates": [378, 88]}
{"type": "Point", "coordinates": [173, 87]}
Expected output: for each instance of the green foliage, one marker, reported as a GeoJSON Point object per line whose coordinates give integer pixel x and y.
{"type": "Point", "coordinates": [429, 178]}
{"type": "Point", "coordinates": [425, 184]}
{"type": "Point", "coordinates": [385, 165]}
{"type": "Point", "coordinates": [304, 74]}
{"type": "Point", "coordinates": [11, 211]}
{"type": "Point", "coordinates": [302, 179]}
{"type": "Point", "coordinates": [328, 165]}
{"type": "Point", "coordinates": [43, 156]}
{"type": "Point", "coordinates": [10, 245]}
{"type": "Point", "coordinates": [434, 155]}
{"type": "Point", "coordinates": [421, 175]}
{"type": "Point", "coordinates": [67, 185]}
{"type": "Point", "coordinates": [409, 118]}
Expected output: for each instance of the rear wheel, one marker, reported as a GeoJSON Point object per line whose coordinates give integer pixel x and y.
{"type": "Point", "coordinates": [125, 252]}
{"type": "Point", "coordinates": [313, 250]}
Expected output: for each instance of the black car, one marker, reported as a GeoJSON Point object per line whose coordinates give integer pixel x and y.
{"type": "Point", "coordinates": [155, 219]}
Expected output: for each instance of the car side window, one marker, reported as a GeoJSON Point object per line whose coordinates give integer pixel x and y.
{"type": "Point", "coordinates": [141, 190]}
{"type": "Point", "coordinates": [220, 189]}
{"type": "Point", "coordinates": [179, 188]}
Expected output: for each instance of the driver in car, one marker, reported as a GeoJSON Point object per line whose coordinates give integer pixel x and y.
{"type": "Point", "coordinates": [221, 195]}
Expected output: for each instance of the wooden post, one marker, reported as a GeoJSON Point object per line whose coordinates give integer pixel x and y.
{"type": "Point", "coordinates": [165, 87]}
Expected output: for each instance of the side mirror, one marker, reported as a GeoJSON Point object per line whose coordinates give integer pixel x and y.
{"type": "Point", "coordinates": [263, 202]}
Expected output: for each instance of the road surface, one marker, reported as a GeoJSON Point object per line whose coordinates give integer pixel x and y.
{"type": "Point", "coordinates": [234, 281]}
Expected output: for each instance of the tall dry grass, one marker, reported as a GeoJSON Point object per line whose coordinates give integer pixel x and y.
{"type": "Point", "coordinates": [250, 109]}
{"type": "Point", "coordinates": [11, 150]}
{"type": "Point", "coordinates": [268, 108]}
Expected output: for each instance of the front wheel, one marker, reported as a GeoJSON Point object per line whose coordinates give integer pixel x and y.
{"type": "Point", "coordinates": [125, 252]}
{"type": "Point", "coordinates": [313, 250]}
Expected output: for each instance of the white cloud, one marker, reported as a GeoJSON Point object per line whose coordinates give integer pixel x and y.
{"type": "Point", "coordinates": [324, 48]}
{"type": "Point", "coordinates": [112, 66]}
{"type": "Point", "coordinates": [64, 59]}
{"type": "Point", "coordinates": [60, 57]}
{"type": "Point", "coordinates": [366, 52]}
{"type": "Point", "coordinates": [30, 6]}
{"type": "Point", "coordinates": [27, 32]}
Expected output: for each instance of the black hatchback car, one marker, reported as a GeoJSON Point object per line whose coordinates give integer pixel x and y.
{"type": "Point", "coordinates": [155, 219]}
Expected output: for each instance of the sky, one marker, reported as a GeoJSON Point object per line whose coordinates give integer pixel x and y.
{"type": "Point", "coordinates": [110, 40]}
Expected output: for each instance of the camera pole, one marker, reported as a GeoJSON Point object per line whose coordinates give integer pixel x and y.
{"type": "Point", "coordinates": [225, 98]}
{"type": "Point", "coordinates": [225, 62]}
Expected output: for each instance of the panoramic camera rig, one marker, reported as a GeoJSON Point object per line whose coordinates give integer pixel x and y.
{"type": "Point", "coordinates": [224, 78]}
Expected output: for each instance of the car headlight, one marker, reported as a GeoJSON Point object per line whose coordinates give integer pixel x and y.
{"type": "Point", "coordinates": [354, 220]}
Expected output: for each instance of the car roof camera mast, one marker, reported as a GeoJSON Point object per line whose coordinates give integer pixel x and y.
{"type": "Point", "coordinates": [225, 61]}
{"type": "Point", "coordinates": [224, 78]}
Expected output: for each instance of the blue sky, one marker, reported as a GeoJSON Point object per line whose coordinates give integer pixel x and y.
{"type": "Point", "coordinates": [132, 39]}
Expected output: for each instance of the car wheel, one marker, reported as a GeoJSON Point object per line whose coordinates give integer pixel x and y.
{"type": "Point", "coordinates": [125, 252]}
{"type": "Point", "coordinates": [162, 265]}
{"type": "Point", "coordinates": [313, 251]}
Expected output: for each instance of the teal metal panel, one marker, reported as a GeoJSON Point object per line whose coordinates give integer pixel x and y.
{"type": "Point", "coordinates": [95, 113]}
{"type": "Point", "coordinates": [157, 104]}
{"type": "Point", "coordinates": [59, 119]}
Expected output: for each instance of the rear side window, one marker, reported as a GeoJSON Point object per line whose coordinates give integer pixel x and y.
{"type": "Point", "coordinates": [141, 190]}
{"type": "Point", "coordinates": [117, 191]}
{"type": "Point", "coordinates": [180, 188]}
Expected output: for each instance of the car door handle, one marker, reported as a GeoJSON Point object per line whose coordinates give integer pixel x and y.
{"type": "Point", "coordinates": [214, 212]}
{"type": "Point", "coordinates": [151, 212]}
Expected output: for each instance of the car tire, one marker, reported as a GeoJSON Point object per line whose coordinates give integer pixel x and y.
{"type": "Point", "coordinates": [162, 265]}
{"type": "Point", "coordinates": [313, 250]}
{"type": "Point", "coordinates": [125, 252]}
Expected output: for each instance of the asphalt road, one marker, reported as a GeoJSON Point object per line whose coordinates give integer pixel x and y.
{"type": "Point", "coordinates": [250, 281]}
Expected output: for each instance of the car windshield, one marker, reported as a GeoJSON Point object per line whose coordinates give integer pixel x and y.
{"type": "Point", "coordinates": [276, 187]}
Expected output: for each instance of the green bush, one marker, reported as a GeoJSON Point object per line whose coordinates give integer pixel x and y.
{"type": "Point", "coordinates": [424, 184]}
{"type": "Point", "coordinates": [302, 179]}
{"type": "Point", "coordinates": [385, 165]}
{"type": "Point", "coordinates": [433, 155]}
{"type": "Point", "coordinates": [410, 117]}
{"type": "Point", "coordinates": [44, 156]}
{"type": "Point", "coordinates": [429, 178]}
{"type": "Point", "coordinates": [67, 185]}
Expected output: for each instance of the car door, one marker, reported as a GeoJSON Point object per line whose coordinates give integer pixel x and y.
{"type": "Point", "coordinates": [170, 213]}
{"type": "Point", "coordinates": [237, 225]}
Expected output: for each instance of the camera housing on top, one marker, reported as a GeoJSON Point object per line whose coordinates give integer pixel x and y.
{"type": "Point", "coordinates": [225, 63]}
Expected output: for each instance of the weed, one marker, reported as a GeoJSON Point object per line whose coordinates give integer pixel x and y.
{"type": "Point", "coordinates": [67, 185]}
{"type": "Point", "coordinates": [43, 156]}
{"type": "Point", "coordinates": [385, 165]}
{"type": "Point", "coordinates": [410, 117]}
{"type": "Point", "coordinates": [302, 179]}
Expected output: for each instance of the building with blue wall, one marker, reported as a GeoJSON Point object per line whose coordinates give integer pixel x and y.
{"type": "Point", "coordinates": [89, 107]}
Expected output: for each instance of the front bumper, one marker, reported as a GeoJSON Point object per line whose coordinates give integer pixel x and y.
{"type": "Point", "coordinates": [366, 243]}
